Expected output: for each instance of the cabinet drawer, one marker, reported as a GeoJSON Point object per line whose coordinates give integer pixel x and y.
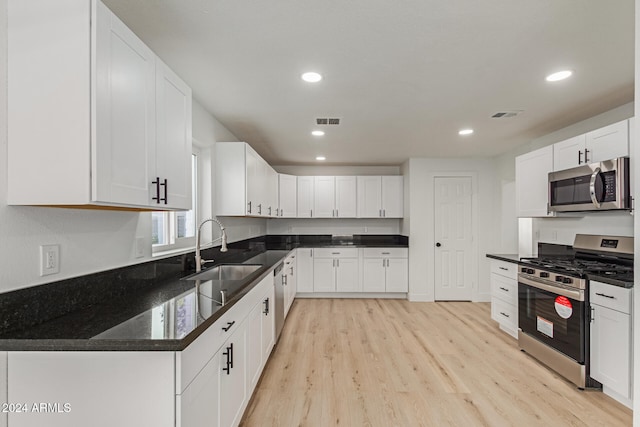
{"type": "Point", "coordinates": [504, 313]}
{"type": "Point", "coordinates": [335, 253]}
{"type": "Point", "coordinates": [504, 288]}
{"type": "Point", "coordinates": [613, 297]}
{"type": "Point", "coordinates": [503, 268]}
{"type": "Point", "coordinates": [386, 252]}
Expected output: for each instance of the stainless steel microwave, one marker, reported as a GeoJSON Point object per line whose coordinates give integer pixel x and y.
{"type": "Point", "coordinates": [592, 187]}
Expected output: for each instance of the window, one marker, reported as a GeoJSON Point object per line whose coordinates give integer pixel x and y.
{"type": "Point", "coordinates": [176, 230]}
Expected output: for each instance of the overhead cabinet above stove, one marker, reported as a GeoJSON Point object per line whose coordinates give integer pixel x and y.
{"type": "Point", "coordinates": [96, 119]}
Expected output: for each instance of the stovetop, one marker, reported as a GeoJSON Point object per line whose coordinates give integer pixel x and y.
{"type": "Point", "coordinates": [615, 273]}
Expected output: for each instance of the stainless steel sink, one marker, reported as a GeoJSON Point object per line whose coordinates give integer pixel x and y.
{"type": "Point", "coordinates": [226, 272]}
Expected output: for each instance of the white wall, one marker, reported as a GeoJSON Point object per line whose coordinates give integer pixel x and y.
{"type": "Point", "coordinates": [90, 240]}
{"type": "Point", "coordinates": [635, 167]}
{"type": "Point", "coordinates": [421, 173]}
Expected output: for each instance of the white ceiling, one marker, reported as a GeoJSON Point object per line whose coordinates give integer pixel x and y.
{"type": "Point", "coordinates": [404, 75]}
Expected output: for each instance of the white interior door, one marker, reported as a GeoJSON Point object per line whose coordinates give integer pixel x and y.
{"type": "Point", "coordinates": [453, 238]}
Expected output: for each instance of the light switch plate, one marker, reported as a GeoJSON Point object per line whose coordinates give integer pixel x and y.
{"type": "Point", "coordinates": [49, 259]}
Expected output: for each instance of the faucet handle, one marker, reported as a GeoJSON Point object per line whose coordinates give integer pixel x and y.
{"type": "Point", "coordinates": [205, 261]}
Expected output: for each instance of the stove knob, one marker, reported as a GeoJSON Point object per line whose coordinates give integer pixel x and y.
{"type": "Point", "coordinates": [544, 274]}
{"type": "Point", "coordinates": [530, 271]}
{"type": "Point", "coordinates": [559, 278]}
{"type": "Point", "coordinates": [567, 280]}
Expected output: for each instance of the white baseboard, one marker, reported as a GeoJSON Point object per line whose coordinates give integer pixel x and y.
{"type": "Point", "coordinates": [379, 295]}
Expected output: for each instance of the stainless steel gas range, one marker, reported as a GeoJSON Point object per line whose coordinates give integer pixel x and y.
{"type": "Point", "coordinates": [553, 300]}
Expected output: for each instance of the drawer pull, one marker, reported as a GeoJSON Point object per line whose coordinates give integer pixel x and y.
{"type": "Point", "coordinates": [604, 295]}
{"type": "Point", "coordinates": [504, 289]}
{"type": "Point", "coordinates": [229, 325]}
{"type": "Point", "coordinates": [503, 268]}
{"type": "Point", "coordinates": [505, 314]}
{"type": "Point", "coordinates": [386, 253]}
{"type": "Point", "coordinates": [335, 253]}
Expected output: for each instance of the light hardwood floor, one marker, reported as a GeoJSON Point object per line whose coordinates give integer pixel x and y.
{"type": "Point", "coordinates": [368, 362]}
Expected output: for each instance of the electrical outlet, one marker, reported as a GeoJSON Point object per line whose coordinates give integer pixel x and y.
{"type": "Point", "coordinates": [49, 259]}
{"type": "Point", "coordinates": [139, 247]}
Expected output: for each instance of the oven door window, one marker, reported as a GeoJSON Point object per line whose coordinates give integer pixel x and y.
{"type": "Point", "coordinates": [555, 320]}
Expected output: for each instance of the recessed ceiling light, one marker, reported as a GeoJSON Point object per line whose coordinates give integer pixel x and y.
{"type": "Point", "coordinates": [321, 158]}
{"type": "Point", "coordinates": [317, 133]}
{"type": "Point", "coordinates": [560, 75]}
{"type": "Point", "coordinates": [311, 77]}
{"type": "Point", "coordinates": [465, 132]}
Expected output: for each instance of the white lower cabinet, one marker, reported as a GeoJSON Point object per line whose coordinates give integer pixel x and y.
{"type": "Point", "coordinates": [233, 374]}
{"type": "Point", "coordinates": [290, 282]}
{"type": "Point", "coordinates": [504, 295]}
{"type": "Point", "coordinates": [197, 405]}
{"type": "Point", "coordinates": [335, 270]}
{"type": "Point", "coordinates": [386, 270]}
{"type": "Point", "coordinates": [304, 267]}
{"type": "Point", "coordinates": [611, 339]}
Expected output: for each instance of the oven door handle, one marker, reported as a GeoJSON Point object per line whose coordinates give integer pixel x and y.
{"type": "Point", "coordinates": [569, 293]}
{"type": "Point", "coordinates": [592, 188]}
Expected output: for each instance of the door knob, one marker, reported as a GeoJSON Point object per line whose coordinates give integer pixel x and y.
{"type": "Point", "coordinates": [438, 245]}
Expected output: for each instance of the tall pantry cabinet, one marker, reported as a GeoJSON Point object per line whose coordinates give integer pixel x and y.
{"type": "Point", "coordinates": [95, 117]}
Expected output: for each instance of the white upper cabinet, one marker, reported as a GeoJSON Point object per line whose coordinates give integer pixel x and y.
{"type": "Point", "coordinates": [305, 196]}
{"type": "Point", "coordinates": [119, 118]}
{"type": "Point", "coordinates": [601, 144]}
{"type": "Point", "coordinates": [324, 197]}
{"type": "Point", "coordinates": [287, 195]}
{"type": "Point", "coordinates": [346, 200]}
{"type": "Point", "coordinates": [334, 197]}
{"type": "Point", "coordinates": [380, 197]}
{"type": "Point", "coordinates": [608, 142]}
{"type": "Point", "coordinates": [569, 153]}
{"type": "Point", "coordinates": [245, 184]}
{"type": "Point", "coordinates": [173, 136]}
{"type": "Point", "coordinates": [532, 182]}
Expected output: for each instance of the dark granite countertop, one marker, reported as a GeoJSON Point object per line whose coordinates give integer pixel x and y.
{"type": "Point", "coordinates": [515, 258]}
{"type": "Point", "coordinates": [121, 309]}
{"type": "Point", "coordinates": [190, 313]}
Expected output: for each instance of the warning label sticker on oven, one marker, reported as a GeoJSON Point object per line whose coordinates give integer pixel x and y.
{"type": "Point", "coordinates": [544, 326]}
{"type": "Point", "coordinates": [563, 307]}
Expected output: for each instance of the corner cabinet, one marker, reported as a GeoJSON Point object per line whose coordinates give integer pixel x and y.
{"type": "Point", "coordinates": [245, 184]}
{"type": "Point", "coordinates": [532, 182]}
{"type": "Point", "coordinates": [110, 108]}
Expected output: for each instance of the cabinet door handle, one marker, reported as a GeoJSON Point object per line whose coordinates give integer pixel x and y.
{"type": "Point", "coordinates": [505, 314]}
{"type": "Point", "coordinates": [606, 296]}
{"type": "Point", "coordinates": [380, 213]}
{"type": "Point", "coordinates": [164, 184]}
{"type": "Point", "coordinates": [157, 184]}
{"type": "Point", "coordinates": [503, 268]}
{"type": "Point", "coordinates": [384, 261]}
{"type": "Point", "coordinates": [249, 205]}
{"type": "Point", "coordinates": [269, 210]}
{"type": "Point", "coordinates": [311, 213]}
{"type": "Point", "coordinates": [229, 362]}
{"type": "Point", "coordinates": [338, 263]}
{"type": "Point", "coordinates": [229, 325]}
{"type": "Point", "coordinates": [384, 213]}
{"type": "Point", "coordinates": [260, 209]}
{"type": "Point", "coordinates": [266, 306]}
{"type": "Point", "coordinates": [504, 289]}
{"type": "Point", "coordinates": [586, 155]}
{"type": "Point", "coordinates": [579, 157]}
{"type": "Point", "coordinates": [284, 280]}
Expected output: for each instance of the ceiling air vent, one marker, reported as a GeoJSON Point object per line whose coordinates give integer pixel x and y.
{"type": "Point", "coordinates": [327, 121]}
{"type": "Point", "coordinates": [506, 114]}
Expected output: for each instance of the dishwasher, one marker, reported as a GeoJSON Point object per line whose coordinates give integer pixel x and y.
{"type": "Point", "coordinates": [279, 306]}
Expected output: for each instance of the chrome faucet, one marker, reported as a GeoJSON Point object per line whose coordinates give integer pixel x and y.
{"type": "Point", "coordinates": [223, 238]}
